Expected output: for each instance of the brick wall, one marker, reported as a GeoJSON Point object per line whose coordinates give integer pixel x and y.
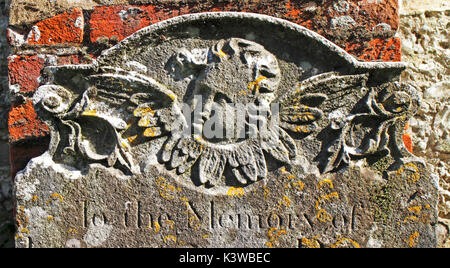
{"type": "Point", "coordinates": [77, 34]}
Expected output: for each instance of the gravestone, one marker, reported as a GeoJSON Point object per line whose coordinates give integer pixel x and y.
{"type": "Point", "coordinates": [226, 130]}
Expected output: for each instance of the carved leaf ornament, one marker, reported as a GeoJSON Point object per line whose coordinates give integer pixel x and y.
{"type": "Point", "coordinates": [100, 113]}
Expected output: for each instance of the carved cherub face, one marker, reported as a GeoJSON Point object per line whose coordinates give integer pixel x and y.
{"type": "Point", "coordinates": [241, 72]}
{"type": "Point", "coordinates": [234, 71]}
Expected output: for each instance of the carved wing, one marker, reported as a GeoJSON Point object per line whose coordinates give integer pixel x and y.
{"type": "Point", "coordinates": [351, 119]}
{"type": "Point", "coordinates": [117, 109]}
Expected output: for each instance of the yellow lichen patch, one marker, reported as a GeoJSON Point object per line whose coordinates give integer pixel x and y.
{"type": "Point", "coordinates": [157, 227]}
{"type": "Point", "coordinates": [166, 190]}
{"type": "Point", "coordinates": [143, 111]}
{"type": "Point", "coordinates": [90, 113]}
{"type": "Point", "coordinates": [416, 209]}
{"type": "Point", "coordinates": [25, 231]}
{"type": "Point", "coordinates": [171, 224]}
{"type": "Point", "coordinates": [18, 236]}
{"type": "Point", "coordinates": [125, 144]}
{"type": "Point", "coordinates": [221, 54]}
{"type": "Point", "coordinates": [299, 185]}
{"type": "Point", "coordinates": [132, 139]}
{"type": "Point", "coordinates": [172, 97]}
{"type": "Point", "coordinates": [412, 178]}
{"type": "Point", "coordinates": [194, 222]}
{"type": "Point", "coordinates": [72, 231]}
{"type": "Point", "coordinates": [311, 243]}
{"type": "Point", "coordinates": [168, 238]}
{"type": "Point", "coordinates": [186, 201]}
{"type": "Point", "coordinates": [55, 196]}
{"type": "Point", "coordinates": [323, 216]}
{"type": "Point", "coordinates": [144, 122]}
{"type": "Point", "coordinates": [254, 86]}
{"type": "Point", "coordinates": [286, 202]}
{"type": "Point", "coordinates": [243, 93]}
{"type": "Point", "coordinates": [327, 198]}
{"type": "Point", "coordinates": [266, 192]}
{"type": "Point", "coordinates": [206, 236]}
{"type": "Point", "coordinates": [150, 132]}
{"type": "Point", "coordinates": [344, 240]}
{"type": "Point", "coordinates": [410, 218]}
{"type": "Point", "coordinates": [413, 240]}
{"type": "Point", "coordinates": [325, 181]}
{"type": "Point", "coordinates": [235, 192]}
{"type": "Point", "coordinates": [273, 235]}
{"type": "Point", "coordinates": [302, 129]}
{"type": "Point", "coordinates": [306, 116]}
{"type": "Point", "coordinates": [293, 180]}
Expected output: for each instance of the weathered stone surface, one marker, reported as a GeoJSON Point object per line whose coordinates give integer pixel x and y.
{"type": "Point", "coordinates": [332, 172]}
{"type": "Point", "coordinates": [424, 33]}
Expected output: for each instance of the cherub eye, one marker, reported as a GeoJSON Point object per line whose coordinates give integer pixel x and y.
{"type": "Point", "coordinates": [267, 73]}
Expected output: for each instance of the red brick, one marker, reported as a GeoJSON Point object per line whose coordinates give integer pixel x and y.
{"type": "Point", "coordinates": [23, 123]}
{"type": "Point", "coordinates": [122, 21]}
{"type": "Point", "coordinates": [63, 29]}
{"type": "Point", "coordinates": [119, 21]}
{"type": "Point", "coordinates": [21, 154]}
{"type": "Point", "coordinates": [25, 72]}
{"type": "Point", "coordinates": [376, 12]}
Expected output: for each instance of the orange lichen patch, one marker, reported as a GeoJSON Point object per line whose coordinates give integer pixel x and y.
{"type": "Point", "coordinates": [413, 240]}
{"type": "Point", "coordinates": [292, 11]}
{"type": "Point", "coordinates": [310, 243]}
{"type": "Point", "coordinates": [381, 49]}
{"type": "Point", "coordinates": [343, 241]}
{"type": "Point", "coordinates": [416, 209]}
{"type": "Point", "coordinates": [23, 123]}
{"type": "Point", "coordinates": [65, 28]}
{"type": "Point", "coordinates": [407, 140]}
{"type": "Point", "coordinates": [300, 14]}
{"type": "Point", "coordinates": [325, 181]}
{"type": "Point", "coordinates": [273, 235]}
{"type": "Point", "coordinates": [25, 71]}
{"type": "Point", "coordinates": [166, 190]}
{"type": "Point", "coordinates": [285, 202]}
{"type": "Point", "coordinates": [55, 196]}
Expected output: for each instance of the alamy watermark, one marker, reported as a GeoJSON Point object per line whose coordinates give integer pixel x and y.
{"type": "Point", "coordinates": [227, 121]}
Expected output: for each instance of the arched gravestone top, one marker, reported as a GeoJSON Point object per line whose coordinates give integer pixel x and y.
{"type": "Point", "coordinates": [226, 130]}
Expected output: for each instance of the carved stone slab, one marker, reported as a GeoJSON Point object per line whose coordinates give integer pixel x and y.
{"type": "Point", "coordinates": [226, 130]}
